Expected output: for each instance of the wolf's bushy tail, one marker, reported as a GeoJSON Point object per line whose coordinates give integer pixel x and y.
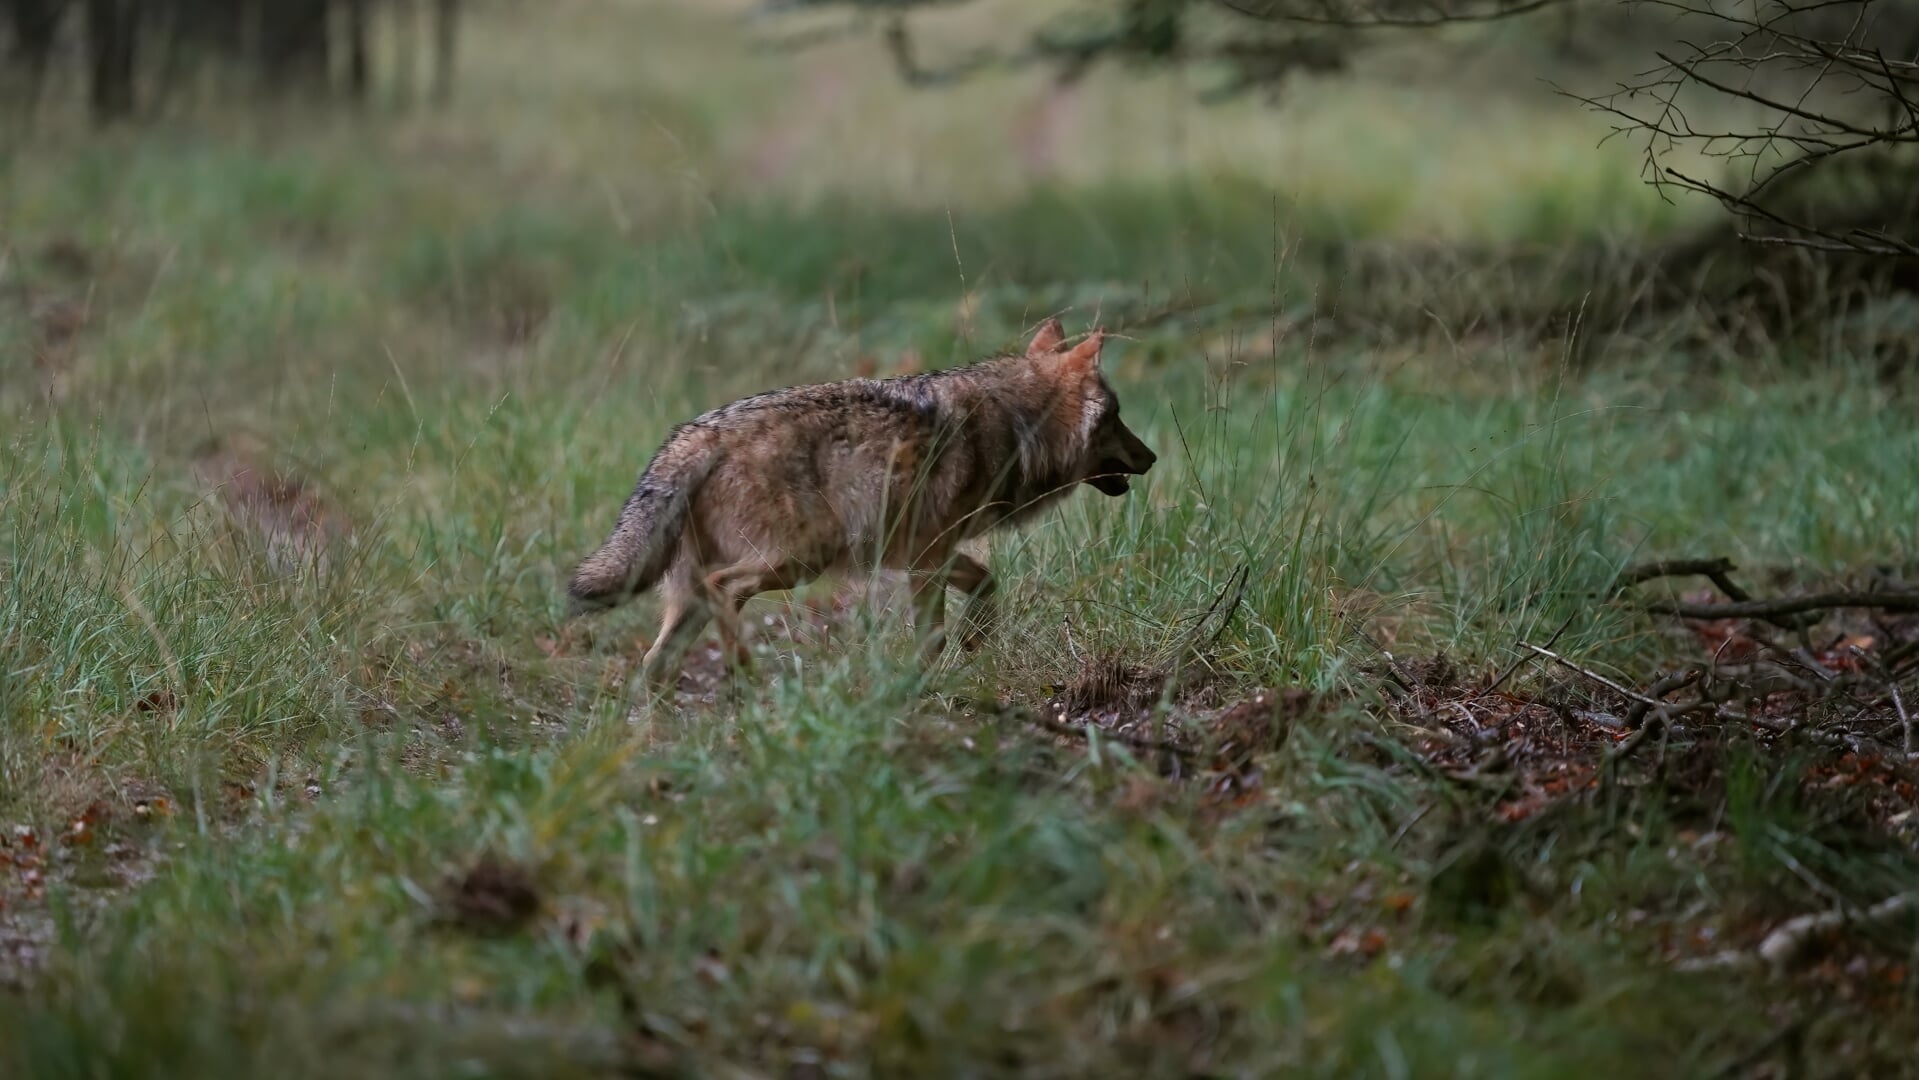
{"type": "Point", "coordinates": [648, 533]}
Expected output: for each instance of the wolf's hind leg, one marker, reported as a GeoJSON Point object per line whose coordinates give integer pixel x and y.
{"type": "Point", "coordinates": [981, 613]}
{"type": "Point", "coordinates": [733, 586]}
{"type": "Point", "coordinates": [929, 614]}
{"type": "Point", "coordinates": [686, 615]}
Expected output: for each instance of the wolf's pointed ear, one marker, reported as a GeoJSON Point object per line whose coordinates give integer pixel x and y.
{"type": "Point", "coordinates": [1048, 340]}
{"type": "Point", "coordinates": [1084, 357]}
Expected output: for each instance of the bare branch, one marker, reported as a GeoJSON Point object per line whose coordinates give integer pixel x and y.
{"type": "Point", "coordinates": [1849, 111]}
{"type": "Point", "coordinates": [1692, 72]}
{"type": "Point", "coordinates": [1372, 17]}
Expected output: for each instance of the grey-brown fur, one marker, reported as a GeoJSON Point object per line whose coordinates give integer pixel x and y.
{"type": "Point", "coordinates": [773, 490]}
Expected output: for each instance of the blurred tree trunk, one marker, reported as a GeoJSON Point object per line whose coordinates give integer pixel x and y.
{"type": "Point", "coordinates": [446, 33]}
{"type": "Point", "coordinates": [294, 44]}
{"type": "Point", "coordinates": [359, 63]}
{"type": "Point", "coordinates": [134, 56]}
{"type": "Point", "coordinates": [207, 43]}
{"type": "Point", "coordinates": [111, 32]}
{"type": "Point", "coordinates": [36, 23]}
{"type": "Point", "coordinates": [211, 27]}
{"type": "Point", "coordinates": [403, 26]}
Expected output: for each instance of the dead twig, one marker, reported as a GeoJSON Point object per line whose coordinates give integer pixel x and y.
{"type": "Point", "coordinates": [1648, 714]}
{"type": "Point", "coordinates": [1394, 673]}
{"type": "Point", "coordinates": [1075, 731]}
{"type": "Point", "coordinates": [1083, 732]}
{"type": "Point", "coordinates": [1397, 673]}
{"type": "Point", "coordinates": [1523, 660]}
{"type": "Point", "coordinates": [1066, 625]}
{"type": "Point", "coordinates": [1593, 675]}
{"type": "Point", "coordinates": [1236, 585]}
{"type": "Point", "coordinates": [1617, 755]}
{"type": "Point", "coordinates": [1658, 691]}
{"type": "Point", "coordinates": [1895, 660]}
{"type": "Point", "coordinates": [1657, 721]}
{"type": "Point", "coordinates": [1905, 723]}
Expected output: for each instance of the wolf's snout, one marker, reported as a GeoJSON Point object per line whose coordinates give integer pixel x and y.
{"type": "Point", "coordinates": [1137, 456]}
{"type": "Point", "coordinates": [1130, 457]}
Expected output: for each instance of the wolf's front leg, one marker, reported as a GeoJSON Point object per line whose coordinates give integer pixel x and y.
{"type": "Point", "coordinates": [981, 614]}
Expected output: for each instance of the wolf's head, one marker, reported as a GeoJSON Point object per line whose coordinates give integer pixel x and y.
{"type": "Point", "coordinates": [1105, 451]}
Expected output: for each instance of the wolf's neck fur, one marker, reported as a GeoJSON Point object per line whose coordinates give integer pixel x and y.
{"type": "Point", "coordinates": [1010, 402]}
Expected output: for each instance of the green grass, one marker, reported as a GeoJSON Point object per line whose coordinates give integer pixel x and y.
{"type": "Point", "coordinates": [847, 866]}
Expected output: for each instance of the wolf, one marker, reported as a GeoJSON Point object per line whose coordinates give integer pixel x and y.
{"type": "Point", "coordinates": [771, 491]}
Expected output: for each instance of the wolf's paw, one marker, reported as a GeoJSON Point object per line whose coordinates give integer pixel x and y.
{"type": "Point", "coordinates": [976, 626]}
{"type": "Point", "coordinates": [742, 658]}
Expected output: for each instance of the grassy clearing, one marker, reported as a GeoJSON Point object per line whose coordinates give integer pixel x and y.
{"type": "Point", "coordinates": [462, 335]}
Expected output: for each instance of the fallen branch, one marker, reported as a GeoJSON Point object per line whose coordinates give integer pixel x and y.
{"type": "Point", "coordinates": [1787, 943]}
{"type": "Point", "coordinates": [1784, 612]}
{"type": "Point", "coordinates": [1718, 571]}
{"type": "Point", "coordinates": [1789, 940]}
{"type": "Point", "coordinates": [1771, 610]}
{"type": "Point", "coordinates": [1858, 744]}
{"type": "Point", "coordinates": [1650, 714]}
